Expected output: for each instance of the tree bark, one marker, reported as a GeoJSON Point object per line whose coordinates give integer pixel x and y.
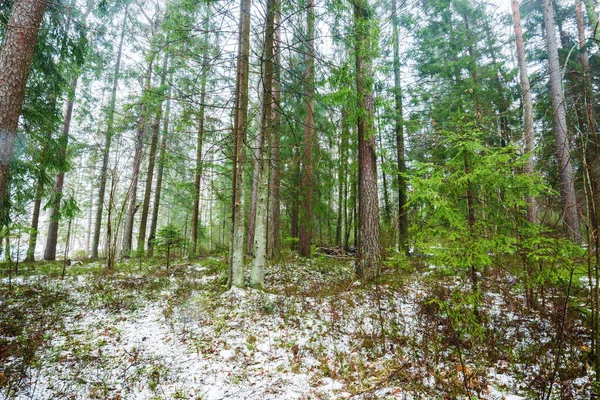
{"type": "Point", "coordinates": [199, 142]}
{"type": "Point", "coordinates": [342, 178]}
{"type": "Point", "coordinates": [236, 271]}
{"type": "Point", "coordinates": [151, 163]}
{"type": "Point", "coordinates": [274, 246]}
{"type": "Point", "coordinates": [137, 161]}
{"type": "Point", "coordinates": [399, 128]}
{"type": "Point", "coordinates": [527, 105]}
{"type": "Point", "coordinates": [257, 277]}
{"type": "Point", "coordinates": [110, 131]}
{"type": "Point", "coordinates": [159, 177]}
{"type": "Point", "coordinates": [16, 54]}
{"type": "Point", "coordinates": [306, 194]}
{"type": "Point", "coordinates": [368, 256]}
{"type": "Point", "coordinates": [567, 185]}
{"type": "Point", "coordinates": [52, 239]}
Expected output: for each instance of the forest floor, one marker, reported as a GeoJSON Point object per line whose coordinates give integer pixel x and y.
{"type": "Point", "coordinates": [314, 332]}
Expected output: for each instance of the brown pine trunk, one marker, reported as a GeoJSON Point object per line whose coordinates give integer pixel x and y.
{"type": "Point", "coordinates": [16, 54]}
{"type": "Point", "coordinates": [399, 128]}
{"type": "Point", "coordinates": [306, 194]}
{"type": "Point", "coordinates": [236, 271]}
{"type": "Point", "coordinates": [110, 131]}
{"type": "Point", "coordinates": [527, 105]}
{"type": "Point", "coordinates": [368, 255]}
{"type": "Point", "coordinates": [563, 155]}
{"type": "Point", "coordinates": [198, 172]}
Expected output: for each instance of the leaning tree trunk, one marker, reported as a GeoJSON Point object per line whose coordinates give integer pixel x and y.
{"type": "Point", "coordinates": [16, 54]}
{"type": "Point", "coordinates": [110, 131]}
{"type": "Point", "coordinates": [563, 154]}
{"type": "Point", "coordinates": [274, 246]}
{"type": "Point", "coordinates": [527, 105]}
{"type": "Point", "coordinates": [236, 269]}
{"type": "Point", "coordinates": [306, 217]}
{"type": "Point", "coordinates": [368, 255]}
{"type": "Point", "coordinates": [257, 277]}
{"type": "Point", "coordinates": [52, 240]}
{"type": "Point", "coordinates": [399, 129]}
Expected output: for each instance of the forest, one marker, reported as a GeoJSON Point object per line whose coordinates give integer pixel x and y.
{"type": "Point", "coordinates": [305, 199]}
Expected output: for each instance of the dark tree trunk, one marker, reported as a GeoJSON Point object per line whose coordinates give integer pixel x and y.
{"type": "Point", "coordinates": [342, 177]}
{"type": "Point", "coordinates": [52, 240]}
{"type": "Point", "coordinates": [368, 256]}
{"type": "Point", "coordinates": [306, 194]}
{"type": "Point", "coordinates": [399, 128]}
{"type": "Point", "coordinates": [16, 54]}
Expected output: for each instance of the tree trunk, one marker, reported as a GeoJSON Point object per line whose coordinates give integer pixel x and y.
{"type": "Point", "coordinates": [236, 272]}
{"type": "Point", "coordinates": [342, 178]}
{"type": "Point", "coordinates": [137, 161]}
{"type": "Point", "coordinates": [52, 240]}
{"type": "Point", "coordinates": [110, 130]}
{"type": "Point", "coordinates": [527, 106]}
{"type": "Point", "coordinates": [159, 177]}
{"type": "Point", "coordinates": [386, 201]}
{"type": "Point", "coordinates": [199, 142]}
{"type": "Point", "coordinates": [257, 277]}
{"type": "Point", "coordinates": [274, 246]}
{"type": "Point", "coordinates": [306, 217]}
{"type": "Point", "coordinates": [399, 128]}
{"type": "Point", "coordinates": [567, 186]}
{"type": "Point", "coordinates": [151, 163]}
{"type": "Point", "coordinates": [16, 54]}
{"type": "Point", "coordinates": [39, 190]}
{"type": "Point", "coordinates": [258, 146]}
{"type": "Point", "coordinates": [368, 256]}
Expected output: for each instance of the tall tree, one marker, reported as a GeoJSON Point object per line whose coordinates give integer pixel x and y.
{"type": "Point", "coordinates": [368, 256]}
{"type": "Point", "coordinates": [236, 267]}
{"type": "Point", "coordinates": [152, 160]}
{"type": "Point", "coordinates": [306, 210]}
{"type": "Point", "coordinates": [257, 277]}
{"type": "Point", "coordinates": [16, 54]}
{"type": "Point", "coordinates": [563, 153]}
{"type": "Point", "coordinates": [199, 142]}
{"type": "Point", "coordinates": [274, 244]}
{"type": "Point", "coordinates": [52, 240]}
{"type": "Point", "coordinates": [527, 103]}
{"type": "Point", "coordinates": [399, 129]}
{"type": "Point", "coordinates": [110, 131]}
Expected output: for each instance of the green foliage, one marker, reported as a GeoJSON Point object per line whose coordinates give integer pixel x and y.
{"type": "Point", "coordinates": [492, 176]}
{"type": "Point", "coordinates": [168, 238]}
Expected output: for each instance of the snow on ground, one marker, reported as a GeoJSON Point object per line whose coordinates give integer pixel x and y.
{"type": "Point", "coordinates": [300, 338]}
